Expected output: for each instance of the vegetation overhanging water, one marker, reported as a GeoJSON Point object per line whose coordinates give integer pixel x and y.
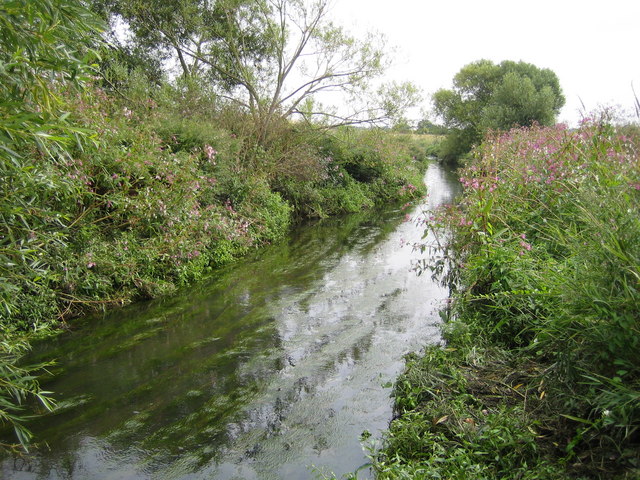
{"type": "Point", "coordinates": [276, 364]}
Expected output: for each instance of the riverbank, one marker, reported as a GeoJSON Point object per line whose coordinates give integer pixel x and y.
{"type": "Point", "coordinates": [159, 199]}
{"type": "Point", "coordinates": [277, 362]}
{"type": "Point", "coordinates": [538, 377]}
{"type": "Point", "coordinates": [124, 179]}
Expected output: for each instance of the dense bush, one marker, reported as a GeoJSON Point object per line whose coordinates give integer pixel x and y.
{"type": "Point", "coordinates": [544, 329]}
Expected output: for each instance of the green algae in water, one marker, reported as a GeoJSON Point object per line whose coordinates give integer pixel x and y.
{"type": "Point", "coordinates": [277, 363]}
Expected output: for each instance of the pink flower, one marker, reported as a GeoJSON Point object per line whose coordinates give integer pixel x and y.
{"type": "Point", "coordinates": [210, 153]}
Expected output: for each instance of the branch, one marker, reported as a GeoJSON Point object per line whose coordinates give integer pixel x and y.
{"type": "Point", "coordinates": [309, 85]}
{"type": "Point", "coordinates": [351, 119]}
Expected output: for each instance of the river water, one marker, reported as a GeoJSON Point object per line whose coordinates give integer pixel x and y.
{"type": "Point", "coordinates": [270, 370]}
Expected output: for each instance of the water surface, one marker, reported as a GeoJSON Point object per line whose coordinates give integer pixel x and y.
{"type": "Point", "coordinates": [277, 364]}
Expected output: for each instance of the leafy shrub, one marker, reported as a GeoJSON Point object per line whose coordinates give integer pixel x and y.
{"type": "Point", "coordinates": [546, 264]}
{"type": "Point", "coordinates": [18, 383]}
{"type": "Point", "coordinates": [355, 169]}
{"type": "Point", "coordinates": [44, 49]}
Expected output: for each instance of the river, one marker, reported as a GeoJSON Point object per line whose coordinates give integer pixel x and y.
{"type": "Point", "coordinates": [272, 369]}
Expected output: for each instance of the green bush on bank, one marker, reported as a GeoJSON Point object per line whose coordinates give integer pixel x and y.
{"type": "Point", "coordinates": [540, 377]}
{"type": "Point", "coordinates": [158, 200]}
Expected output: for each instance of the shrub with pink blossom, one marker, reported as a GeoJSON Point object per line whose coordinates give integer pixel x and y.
{"type": "Point", "coordinates": [542, 254]}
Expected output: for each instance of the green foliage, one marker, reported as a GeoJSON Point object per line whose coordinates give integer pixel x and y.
{"type": "Point", "coordinates": [192, 33]}
{"type": "Point", "coordinates": [426, 126]}
{"type": "Point", "coordinates": [457, 144]}
{"type": "Point", "coordinates": [43, 44]}
{"type": "Point", "coordinates": [359, 168]}
{"type": "Point", "coordinates": [486, 97]}
{"type": "Point", "coordinates": [544, 260]}
{"type": "Point", "coordinates": [44, 49]}
{"type": "Point", "coordinates": [40, 47]}
{"type": "Point", "coordinates": [18, 383]}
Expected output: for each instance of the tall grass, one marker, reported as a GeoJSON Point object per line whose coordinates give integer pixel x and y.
{"type": "Point", "coordinates": [545, 255]}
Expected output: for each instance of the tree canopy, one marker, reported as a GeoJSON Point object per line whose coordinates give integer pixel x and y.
{"type": "Point", "coordinates": [273, 59]}
{"type": "Point", "coordinates": [488, 96]}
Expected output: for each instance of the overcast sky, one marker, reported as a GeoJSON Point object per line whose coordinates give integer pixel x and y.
{"type": "Point", "coordinates": [593, 46]}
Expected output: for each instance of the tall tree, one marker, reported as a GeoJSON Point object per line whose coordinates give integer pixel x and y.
{"type": "Point", "coordinates": [486, 96]}
{"type": "Point", "coordinates": [273, 58]}
{"type": "Point", "coordinates": [182, 30]}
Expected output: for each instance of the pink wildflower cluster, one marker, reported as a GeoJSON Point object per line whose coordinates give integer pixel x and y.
{"type": "Point", "coordinates": [528, 161]}
{"type": "Point", "coordinates": [524, 244]}
{"type": "Point", "coordinates": [210, 153]}
{"type": "Point", "coordinates": [489, 183]}
{"type": "Point", "coordinates": [408, 188]}
{"type": "Point", "coordinates": [193, 254]}
{"type": "Point", "coordinates": [229, 207]}
{"type": "Point", "coordinates": [533, 169]}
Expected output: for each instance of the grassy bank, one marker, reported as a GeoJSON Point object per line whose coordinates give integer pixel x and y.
{"type": "Point", "coordinates": [539, 374]}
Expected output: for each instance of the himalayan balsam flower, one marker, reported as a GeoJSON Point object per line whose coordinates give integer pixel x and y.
{"type": "Point", "coordinates": [525, 245]}
{"type": "Point", "coordinates": [210, 153]}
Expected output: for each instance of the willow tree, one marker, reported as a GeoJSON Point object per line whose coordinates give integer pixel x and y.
{"type": "Point", "coordinates": [274, 59]}
{"type": "Point", "coordinates": [43, 48]}
{"type": "Point", "coordinates": [308, 58]}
